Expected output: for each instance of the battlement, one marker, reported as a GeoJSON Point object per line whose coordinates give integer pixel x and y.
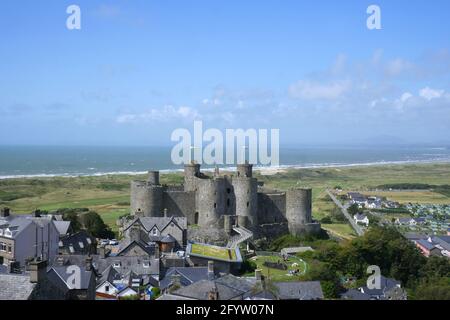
{"type": "Point", "coordinates": [206, 201]}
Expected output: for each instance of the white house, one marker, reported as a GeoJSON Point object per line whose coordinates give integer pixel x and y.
{"type": "Point", "coordinates": [361, 218]}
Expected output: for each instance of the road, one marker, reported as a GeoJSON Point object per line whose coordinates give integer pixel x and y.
{"type": "Point", "coordinates": [359, 231]}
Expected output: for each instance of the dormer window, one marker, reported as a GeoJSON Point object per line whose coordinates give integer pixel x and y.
{"type": "Point", "coordinates": [146, 264]}
{"type": "Point", "coordinates": [155, 232]}
{"type": "Point", "coordinates": [117, 264]}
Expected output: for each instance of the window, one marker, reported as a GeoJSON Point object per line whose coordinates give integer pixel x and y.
{"type": "Point", "coordinates": [9, 249]}
{"type": "Point", "coordinates": [215, 205]}
{"type": "Point", "coordinates": [155, 232]}
{"type": "Point", "coordinates": [228, 202]}
{"type": "Point", "coordinates": [107, 288]}
{"type": "Point", "coordinates": [2, 246]}
{"type": "Point", "coordinates": [248, 203]}
{"type": "Point", "coordinates": [228, 190]}
{"type": "Point", "coordinates": [196, 218]}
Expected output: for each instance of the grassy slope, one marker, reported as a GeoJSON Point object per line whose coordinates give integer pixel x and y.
{"type": "Point", "coordinates": [109, 195]}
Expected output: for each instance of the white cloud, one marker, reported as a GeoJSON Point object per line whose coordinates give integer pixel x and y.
{"type": "Point", "coordinates": [429, 94]}
{"type": "Point", "coordinates": [405, 96]}
{"type": "Point", "coordinates": [397, 66]}
{"type": "Point", "coordinates": [309, 90]}
{"type": "Point", "coordinates": [167, 113]}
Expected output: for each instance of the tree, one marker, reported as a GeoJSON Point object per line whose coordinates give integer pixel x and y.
{"type": "Point", "coordinates": [72, 216]}
{"type": "Point", "coordinates": [353, 209]}
{"type": "Point", "coordinates": [433, 289]}
{"type": "Point", "coordinates": [94, 224]}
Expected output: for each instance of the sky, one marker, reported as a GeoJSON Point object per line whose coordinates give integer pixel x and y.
{"type": "Point", "coordinates": [137, 70]}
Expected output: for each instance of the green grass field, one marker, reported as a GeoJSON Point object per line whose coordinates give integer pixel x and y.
{"type": "Point", "coordinates": [109, 195]}
{"type": "Point", "coordinates": [280, 275]}
{"type": "Point", "coordinates": [213, 252]}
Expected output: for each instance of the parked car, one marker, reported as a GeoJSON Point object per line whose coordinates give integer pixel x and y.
{"type": "Point", "coordinates": [113, 242]}
{"type": "Point", "coordinates": [104, 242]}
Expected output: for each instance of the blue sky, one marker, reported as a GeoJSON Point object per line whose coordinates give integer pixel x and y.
{"type": "Point", "coordinates": [137, 70]}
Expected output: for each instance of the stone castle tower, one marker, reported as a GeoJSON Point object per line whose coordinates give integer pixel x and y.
{"type": "Point", "coordinates": [226, 201]}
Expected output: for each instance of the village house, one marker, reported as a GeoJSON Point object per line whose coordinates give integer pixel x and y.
{"type": "Point", "coordinates": [390, 289]}
{"type": "Point", "coordinates": [361, 219]}
{"type": "Point", "coordinates": [25, 237]}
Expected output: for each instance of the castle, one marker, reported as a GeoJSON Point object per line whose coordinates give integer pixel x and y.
{"type": "Point", "coordinates": [225, 202]}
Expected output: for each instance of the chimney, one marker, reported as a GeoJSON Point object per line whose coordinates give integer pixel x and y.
{"type": "Point", "coordinates": [38, 271]}
{"type": "Point", "coordinates": [213, 294]}
{"type": "Point", "coordinates": [89, 263]}
{"type": "Point", "coordinates": [60, 261]}
{"type": "Point", "coordinates": [176, 280]}
{"type": "Point", "coordinates": [4, 212]}
{"type": "Point", "coordinates": [258, 274]}
{"type": "Point", "coordinates": [156, 251]}
{"type": "Point", "coordinates": [102, 252]}
{"type": "Point", "coordinates": [210, 270]}
{"type": "Point", "coordinates": [135, 233]}
{"type": "Point", "coordinates": [165, 212]}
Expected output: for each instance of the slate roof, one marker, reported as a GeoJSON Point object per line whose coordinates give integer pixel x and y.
{"type": "Point", "coordinates": [78, 241]}
{"type": "Point", "coordinates": [228, 287]}
{"type": "Point", "coordinates": [386, 285]}
{"type": "Point", "coordinates": [299, 290]}
{"type": "Point", "coordinates": [359, 217]}
{"type": "Point", "coordinates": [354, 294]}
{"type": "Point", "coordinates": [168, 239]}
{"type": "Point", "coordinates": [414, 236]}
{"type": "Point", "coordinates": [125, 263]}
{"type": "Point", "coordinates": [262, 295]}
{"type": "Point", "coordinates": [425, 243]}
{"type": "Point", "coordinates": [443, 241]}
{"type": "Point", "coordinates": [160, 222]}
{"type": "Point", "coordinates": [62, 227]}
{"type": "Point", "coordinates": [187, 276]}
{"type": "Point", "coordinates": [16, 224]}
{"type": "Point", "coordinates": [59, 276]}
{"type": "Point", "coordinates": [125, 244]}
{"type": "Point", "coordinates": [173, 297]}
{"type": "Point", "coordinates": [15, 287]}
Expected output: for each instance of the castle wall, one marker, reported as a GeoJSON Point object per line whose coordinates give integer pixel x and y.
{"type": "Point", "coordinates": [191, 174]}
{"type": "Point", "coordinates": [210, 201]}
{"type": "Point", "coordinates": [180, 204]}
{"type": "Point", "coordinates": [245, 191]}
{"type": "Point", "coordinates": [271, 208]}
{"type": "Point", "coordinates": [146, 199]}
{"type": "Point", "coordinates": [298, 210]}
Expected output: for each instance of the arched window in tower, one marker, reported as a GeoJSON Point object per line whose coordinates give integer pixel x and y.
{"type": "Point", "coordinates": [196, 218]}
{"type": "Point", "coordinates": [228, 202]}
{"type": "Point", "coordinates": [215, 205]}
{"type": "Point", "coordinates": [248, 203]}
{"type": "Point", "coordinates": [228, 190]}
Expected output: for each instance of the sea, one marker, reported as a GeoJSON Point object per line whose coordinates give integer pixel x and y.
{"type": "Point", "coordinates": [70, 161]}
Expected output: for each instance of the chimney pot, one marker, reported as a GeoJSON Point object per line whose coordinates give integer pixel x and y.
{"type": "Point", "coordinates": [89, 263]}
{"type": "Point", "coordinates": [38, 270]}
{"type": "Point", "coordinates": [4, 212]}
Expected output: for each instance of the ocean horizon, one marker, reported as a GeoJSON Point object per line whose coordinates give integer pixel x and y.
{"type": "Point", "coordinates": [69, 161]}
